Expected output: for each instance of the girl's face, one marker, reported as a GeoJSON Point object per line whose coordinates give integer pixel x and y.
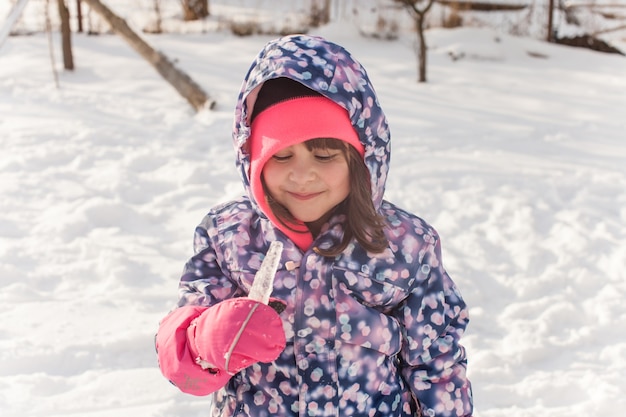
{"type": "Point", "coordinates": [308, 183]}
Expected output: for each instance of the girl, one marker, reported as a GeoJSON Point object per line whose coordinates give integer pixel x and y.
{"type": "Point", "coordinates": [366, 322]}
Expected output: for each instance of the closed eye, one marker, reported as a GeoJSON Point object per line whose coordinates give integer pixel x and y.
{"type": "Point", "coordinates": [326, 157]}
{"type": "Point", "coordinates": [281, 158]}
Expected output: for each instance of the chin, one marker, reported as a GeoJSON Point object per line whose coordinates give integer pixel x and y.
{"type": "Point", "coordinates": [309, 218]}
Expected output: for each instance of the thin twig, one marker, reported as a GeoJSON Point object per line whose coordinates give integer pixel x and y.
{"type": "Point", "coordinates": [50, 45]}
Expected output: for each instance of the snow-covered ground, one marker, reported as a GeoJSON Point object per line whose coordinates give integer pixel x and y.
{"type": "Point", "coordinates": [514, 150]}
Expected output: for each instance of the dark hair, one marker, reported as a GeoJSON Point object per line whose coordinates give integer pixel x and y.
{"type": "Point", "coordinates": [363, 223]}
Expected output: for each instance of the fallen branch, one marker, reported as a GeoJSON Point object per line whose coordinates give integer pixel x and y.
{"type": "Point", "coordinates": [603, 31]}
{"type": "Point", "coordinates": [594, 6]}
{"type": "Point", "coordinates": [185, 86]}
{"type": "Point", "coordinates": [481, 6]}
{"type": "Point", "coordinates": [12, 18]}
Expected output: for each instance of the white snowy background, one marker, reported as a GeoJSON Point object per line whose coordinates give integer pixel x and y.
{"type": "Point", "coordinates": [515, 152]}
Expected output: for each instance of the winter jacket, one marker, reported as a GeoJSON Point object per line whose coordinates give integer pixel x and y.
{"type": "Point", "coordinates": [366, 334]}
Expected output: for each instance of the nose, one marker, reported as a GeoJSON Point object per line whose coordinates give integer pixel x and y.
{"type": "Point", "coordinates": [302, 171]}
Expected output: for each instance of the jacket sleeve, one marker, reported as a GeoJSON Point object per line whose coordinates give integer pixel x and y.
{"type": "Point", "coordinates": [434, 318]}
{"type": "Point", "coordinates": [202, 285]}
{"type": "Point", "coordinates": [204, 280]}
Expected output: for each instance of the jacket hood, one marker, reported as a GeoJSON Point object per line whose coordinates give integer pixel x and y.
{"type": "Point", "coordinates": [329, 69]}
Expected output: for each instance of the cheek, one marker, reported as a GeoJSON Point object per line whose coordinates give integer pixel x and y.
{"type": "Point", "coordinates": [340, 179]}
{"type": "Point", "coordinates": [271, 176]}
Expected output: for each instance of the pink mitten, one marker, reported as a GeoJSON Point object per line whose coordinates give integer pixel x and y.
{"type": "Point", "coordinates": [235, 334]}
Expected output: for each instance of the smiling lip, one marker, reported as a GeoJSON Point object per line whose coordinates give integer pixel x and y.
{"type": "Point", "coordinates": [304, 197]}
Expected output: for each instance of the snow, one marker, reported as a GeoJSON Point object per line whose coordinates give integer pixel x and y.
{"type": "Point", "coordinates": [514, 150]}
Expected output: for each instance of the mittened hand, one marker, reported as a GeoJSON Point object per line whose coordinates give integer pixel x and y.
{"type": "Point", "coordinates": [237, 333]}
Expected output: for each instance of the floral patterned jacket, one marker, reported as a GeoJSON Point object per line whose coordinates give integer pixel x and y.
{"type": "Point", "coordinates": [367, 334]}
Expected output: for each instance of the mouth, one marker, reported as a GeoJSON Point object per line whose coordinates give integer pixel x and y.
{"type": "Point", "coordinates": [304, 196]}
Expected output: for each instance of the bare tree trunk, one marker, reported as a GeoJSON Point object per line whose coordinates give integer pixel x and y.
{"type": "Point", "coordinates": [319, 14]}
{"type": "Point", "coordinates": [195, 9]}
{"type": "Point", "coordinates": [421, 52]}
{"type": "Point", "coordinates": [185, 86]}
{"type": "Point", "coordinates": [419, 16]}
{"type": "Point", "coordinates": [66, 35]}
{"type": "Point", "coordinates": [550, 36]}
{"type": "Point", "coordinates": [159, 19]}
{"type": "Point", "coordinates": [79, 16]}
{"type": "Point", "coordinates": [326, 11]}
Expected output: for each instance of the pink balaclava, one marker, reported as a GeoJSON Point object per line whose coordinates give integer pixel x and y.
{"type": "Point", "coordinates": [286, 113]}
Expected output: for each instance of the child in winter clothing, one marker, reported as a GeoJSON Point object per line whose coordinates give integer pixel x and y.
{"type": "Point", "coordinates": [371, 321]}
